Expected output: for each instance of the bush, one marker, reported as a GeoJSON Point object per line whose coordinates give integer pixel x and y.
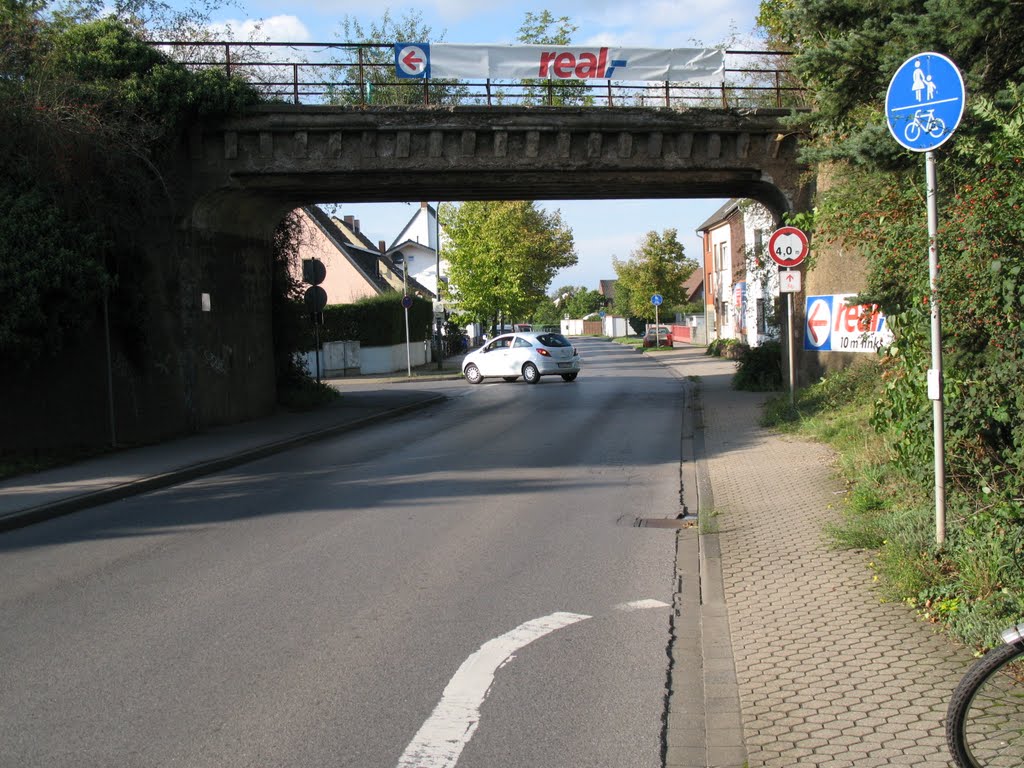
{"type": "Point", "coordinates": [377, 321]}
{"type": "Point", "coordinates": [727, 348]}
{"type": "Point", "coordinates": [759, 369]}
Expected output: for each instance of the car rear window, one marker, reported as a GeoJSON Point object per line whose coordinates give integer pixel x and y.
{"type": "Point", "coordinates": [553, 340]}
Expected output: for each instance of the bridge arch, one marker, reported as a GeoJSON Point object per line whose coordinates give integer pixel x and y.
{"type": "Point", "coordinates": [246, 172]}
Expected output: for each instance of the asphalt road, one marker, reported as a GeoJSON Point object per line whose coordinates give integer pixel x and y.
{"type": "Point", "coordinates": [462, 586]}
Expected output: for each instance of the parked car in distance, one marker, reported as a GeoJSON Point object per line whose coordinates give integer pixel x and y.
{"type": "Point", "coordinates": [658, 336]}
{"type": "Point", "coordinates": [529, 354]}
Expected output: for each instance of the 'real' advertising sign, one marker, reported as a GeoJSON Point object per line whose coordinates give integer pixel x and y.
{"type": "Point", "coordinates": [518, 62]}
{"type": "Point", "coordinates": [833, 324]}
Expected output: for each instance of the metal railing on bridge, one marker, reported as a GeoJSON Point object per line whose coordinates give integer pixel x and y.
{"type": "Point", "coordinates": [363, 75]}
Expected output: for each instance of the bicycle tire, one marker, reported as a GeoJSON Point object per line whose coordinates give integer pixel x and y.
{"type": "Point", "coordinates": [985, 719]}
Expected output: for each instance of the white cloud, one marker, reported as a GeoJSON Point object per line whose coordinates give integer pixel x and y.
{"type": "Point", "coordinates": [283, 28]}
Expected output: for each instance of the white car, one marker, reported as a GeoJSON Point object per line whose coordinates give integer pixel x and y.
{"type": "Point", "coordinates": [530, 355]}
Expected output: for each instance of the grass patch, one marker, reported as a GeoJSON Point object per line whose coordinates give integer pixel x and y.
{"type": "Point", "coordinates": [973, 586]}
{"type": "Point", "coordinates": [708, 521]}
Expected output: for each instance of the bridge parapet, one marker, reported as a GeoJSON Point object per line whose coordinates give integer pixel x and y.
{"type": "Point", "coordinates": [363, 74]}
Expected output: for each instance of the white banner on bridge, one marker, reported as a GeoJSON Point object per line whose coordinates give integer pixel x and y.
{"type": "Point", "coordinates": [517, 62]}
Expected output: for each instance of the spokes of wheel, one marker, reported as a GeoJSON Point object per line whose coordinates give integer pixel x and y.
{"type": "Point", "coordinates": [530, 373]}
{"type": "Point", "coordinates": [472, 374]}
{"type": "Point", "coordinates": [985, 722]}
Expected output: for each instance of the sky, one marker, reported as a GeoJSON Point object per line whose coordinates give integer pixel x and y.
{"type": "Point", "coordinates": [601, 229]}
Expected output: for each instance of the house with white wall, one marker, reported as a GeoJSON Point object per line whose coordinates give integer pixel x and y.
{"type": "Point", "coordinates": [356, 269]}
{"type": "Point", "coordinates": [741, 284]}
{"type": "Point", "coordinates": [417, 246]}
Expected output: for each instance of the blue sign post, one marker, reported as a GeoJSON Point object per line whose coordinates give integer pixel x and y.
{"type": "Point", "coordinates": [923, 106]}
{"type": "Point", "coordinates": [656, 300]}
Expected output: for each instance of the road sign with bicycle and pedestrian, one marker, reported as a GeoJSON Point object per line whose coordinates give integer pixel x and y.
{"type": "Point", "coordinates": [925, 101]}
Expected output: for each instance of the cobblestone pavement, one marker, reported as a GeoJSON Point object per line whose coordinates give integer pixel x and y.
{"type": "Point", "coordinates": [828, 674]}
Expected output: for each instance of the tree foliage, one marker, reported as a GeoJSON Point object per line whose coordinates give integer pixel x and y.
{"type": "Point", "coordinates": [375, 81]}
{"type": "Point", "coordinates": [502, 256]}
{"type": "Point", "coordinates": [90, 111]}
{"type": "Point", "coordinates": [575, 301]}
{"type": "Point", "coordinates": [545, 29]}
{"type": "Point", "coordinates": [659, 266]}
{"type": "Point", "coordinates": [846, 53]}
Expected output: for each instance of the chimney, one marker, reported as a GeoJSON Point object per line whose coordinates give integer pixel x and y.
{"type": "Point", "coordinates": [356, 226]}
{"type": "Point", "coordinates": [382, 246]}
{"type": "Point", "coordinates": [349, 222]}
{"type": "Point", "coordinates": [424, 206]}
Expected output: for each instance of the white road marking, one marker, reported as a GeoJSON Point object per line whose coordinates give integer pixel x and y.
{"type": "Point", "coordinates": [441, 739]}
{"type": "Point", "coordinates": [446, 732]}
{"type": "Point", "coordinates": [639, 605]}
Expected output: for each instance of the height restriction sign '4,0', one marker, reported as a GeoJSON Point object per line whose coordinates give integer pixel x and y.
{"type": "Point", "coordinates": [925, 101]}
{"type": "Point", "coordinates": [788, 246]}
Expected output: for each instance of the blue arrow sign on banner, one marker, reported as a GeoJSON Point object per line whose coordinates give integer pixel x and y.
{"type": "Point", "coordinates": [925, 101]}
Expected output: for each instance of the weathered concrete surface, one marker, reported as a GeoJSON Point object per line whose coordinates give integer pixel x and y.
{"type": "Point", "coordinates": [476, 153]}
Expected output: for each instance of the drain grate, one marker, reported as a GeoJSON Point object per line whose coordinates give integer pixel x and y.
{"type": "Point", "coordinates": [664, 522]}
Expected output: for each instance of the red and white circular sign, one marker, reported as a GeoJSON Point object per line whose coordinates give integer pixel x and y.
{"type": "Point", "coordinates": [788, 246]}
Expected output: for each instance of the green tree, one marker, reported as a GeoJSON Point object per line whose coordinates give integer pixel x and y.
{"type": "Point", "coordinates": [544, 29]}
{"type": "Point", "coordinates": [660, 266]}
{"type": "Point", "coordinates": [90, 113]}
{"type": "Point", "coordinates": [374, 82]}
{"type": "Point", "coordinates": [584, 301]}
{"type": "Point", "coordinates": [502, 256]}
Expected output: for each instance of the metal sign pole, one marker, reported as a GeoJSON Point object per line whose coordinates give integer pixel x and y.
{"type": "Point", "coordinates": [408, 357]}
{"type": "Point", "coordinates": [924, 105]}
{"type": "Point", "coordinates": [935, 385]}
{"type": "Point", "coordinates": [789, 346]}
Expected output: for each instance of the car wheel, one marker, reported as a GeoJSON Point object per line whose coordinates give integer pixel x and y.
{"type": "Point", "coordinates": [510, 378]}
{"type": "Point", "coordinates": [530, 373]}
{"type": "Point", "coordinates": [569, 376]}
{"type": "Point", "coordinates": [472, 374]}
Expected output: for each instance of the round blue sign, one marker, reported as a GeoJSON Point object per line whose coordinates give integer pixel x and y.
{"type": "Point", "coordinates": [925, 101]}
{"type": "Point", "coordinates": [656, 299]}
{"type": "Point", "coordinates": [407, 301]}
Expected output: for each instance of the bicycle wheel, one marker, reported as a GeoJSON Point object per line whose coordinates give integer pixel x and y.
{"type": "Point", "coordinates": [985, 720]}
{"type": "Point", "coordinates": [936, 127]}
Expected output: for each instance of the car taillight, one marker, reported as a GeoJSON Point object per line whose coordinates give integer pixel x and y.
{"type": "Point", "coordinates": [543, 352]}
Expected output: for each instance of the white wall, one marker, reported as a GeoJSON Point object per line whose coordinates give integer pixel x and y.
{"type": "Point", "coordinates": [721, 244]}
{"type": "Point", "coordinates": [347, 358]}
{"type": "Point", "coordinates": [763, 283]}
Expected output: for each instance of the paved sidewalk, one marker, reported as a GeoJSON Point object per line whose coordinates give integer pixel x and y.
{"type": "Point", "coordinates": [827, 674]}
{"type": "Point", "coordinates": [30, 498]}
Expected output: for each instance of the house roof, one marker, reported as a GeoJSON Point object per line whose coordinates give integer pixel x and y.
{"type": "Point", "coordinates": [720, 215]}
{"type": "Point", "coordinates": [350, 229]}
{"type": "Point", "coordinates": [365, 260]}
{"type": "Point", "coordinates": [423, 220]}
{"type": "Point", "coordinates": [607, 288]}
{"type": "Point", "coordinates": [694, 286]}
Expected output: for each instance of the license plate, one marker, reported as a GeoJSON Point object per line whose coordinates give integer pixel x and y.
{"type": "Point", "coordinates": [565, 365]}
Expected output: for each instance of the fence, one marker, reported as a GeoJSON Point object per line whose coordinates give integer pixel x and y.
{"type": "Point", "coordinates": [362, 75]}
